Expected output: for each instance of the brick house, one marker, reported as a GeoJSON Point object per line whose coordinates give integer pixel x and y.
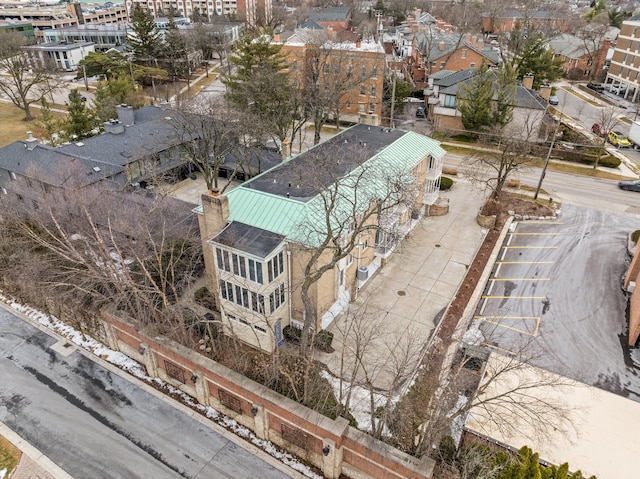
{"type": "Point", "coordinates": [258, 238]}
{"type": "Point", "coordinates": [511, 18]}
{"type": "Point", "coordinates": [358, 65]}
{"type": "Point", "coordinates": [435, 51]}
{"type": "Point", "coordinates": [582, 59]}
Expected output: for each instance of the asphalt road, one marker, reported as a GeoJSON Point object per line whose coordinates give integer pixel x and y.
{"type": "Point", "coordinates": [95, 424]}
{"type": "Point", "coordinates": [555, 297]}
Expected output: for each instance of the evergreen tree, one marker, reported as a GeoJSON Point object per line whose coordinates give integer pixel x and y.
{"type": "Point", "coordinates": [51, 125]}
{"type": "Point", "coordinates": [534, 58]}
{"type": "Point", "coordinates": [174, 52]}
{"type": "Point", "coordinates": [474, 100]}
{"type": "Point", "coordinates": [505, 95]}
{"type": "Point", "coordinates": [145, 39]}
{"type": "Point", "coordinates": [81, 120]}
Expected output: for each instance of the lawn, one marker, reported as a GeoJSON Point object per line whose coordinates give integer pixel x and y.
{"type": "Point", "coordinates": [9, 457]}
{"type": "Point", "coordinates": [12, 126]}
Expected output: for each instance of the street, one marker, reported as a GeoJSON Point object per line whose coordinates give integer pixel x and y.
{"type": "Point", "coordinates": [95, 424]}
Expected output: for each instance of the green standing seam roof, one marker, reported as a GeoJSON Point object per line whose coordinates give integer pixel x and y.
{"type": "Point", "coordinates": [286, 216]}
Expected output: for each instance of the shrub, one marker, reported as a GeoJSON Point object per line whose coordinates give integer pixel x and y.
{"type": "Point", "coordinates": [491, 208]}
{"type": "Point", "coordinates": [204, 298]}
{"type": "Point", "coordinates": [292, 334]}
{"type": "Point", "coordinates": [448, 170]}
{"type": "Point", "coordinates": [635, 235]}
{"type": "Point", "coordinates": [513, 183]}
{"type": "Point", "coordinates": [323, 341]}
{"type": "Point", "coordinates": [445, 183]}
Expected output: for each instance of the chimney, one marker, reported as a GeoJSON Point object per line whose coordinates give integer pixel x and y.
{"type": "Point", "coordinates": [125, 114]}
{"type": "Point", "coordinates": [545, 92]}
{"type": "Point", "coordinates": [527, 81]}
{"type": "Point", "coordinates": [467, 39]}
{"type": "Point", "coordinates": [276, 38]}
{"type": "Point", "coordinates": [215, 208]}
{"type": "Point", "coordinates": [115, 127]}
{"type": "Point", "coordinates": [474, 41]}
{"type": "Point", "coordinates": [30, 143]}
{"type": "Point", "coordinates": [358, 43]}
{"type": "Point", "coordinates": [480, 44]}
{"type": "Point", "coordinates": [441, 46]}
{"type": "Point", "coordinates": [330, 33]}
{"type": "Point", "coordinates": [286, 149]}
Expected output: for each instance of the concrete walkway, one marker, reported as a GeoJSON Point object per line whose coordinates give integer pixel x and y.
{"type": "Point", "coordinates": [384, 332]}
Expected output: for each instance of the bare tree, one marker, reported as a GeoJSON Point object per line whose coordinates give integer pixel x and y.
{"type": "Point", "coordinates": [24, 80]}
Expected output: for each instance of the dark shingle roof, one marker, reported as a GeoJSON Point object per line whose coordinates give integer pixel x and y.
{"type": "Point", "coordinates": [333, 14]}
{"type": "Point", "coordinates": [255, 241]}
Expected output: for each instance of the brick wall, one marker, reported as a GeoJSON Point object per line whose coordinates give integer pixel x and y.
{"type": "Point", "coordinates": [330, 445]}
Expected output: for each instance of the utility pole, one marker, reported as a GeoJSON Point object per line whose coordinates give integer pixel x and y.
{"type": "Point", "coordinates": [546, 160]}
{"type": "Point", "coordinates": [393, 98]}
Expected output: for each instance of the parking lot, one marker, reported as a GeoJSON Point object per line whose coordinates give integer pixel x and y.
{"type": "Point", "coordinates": [555, 298]}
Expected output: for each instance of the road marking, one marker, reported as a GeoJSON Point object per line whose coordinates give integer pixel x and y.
{"type": "Point", "coordinates": [519, 279]}
{"type": "Point", "coordinates": [513, 297]}
{"type": "Point", "coordinates": [530, 247]}
{"type": "Point", "coordinates": [536, 234]}
{"type": "Point", "coordinates": [525, 262]}
{"type": "Point", "coordinates": [508, 351]}
{"type": "Point", "coordinates": [545, 222]}
{"type": "Point", "coordinates": [511, 328]}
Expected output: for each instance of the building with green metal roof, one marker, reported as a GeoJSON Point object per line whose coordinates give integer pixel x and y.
{"type": "Point", "coordinates": [340, 207]}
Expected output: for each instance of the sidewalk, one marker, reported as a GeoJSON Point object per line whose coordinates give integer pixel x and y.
{"type": "Point", "coordinates": [391, 321]}
{"type": "Point", "coordinates": [33, 464]}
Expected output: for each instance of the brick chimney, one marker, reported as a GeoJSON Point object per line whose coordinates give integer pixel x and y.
{"type": "Point", "coordinates": [527, 81]}
{"type": "Point", "coordinates": [467, 39]}
{"type": "Point", "coordinates": [286, 149]}
{"type": "Point", "coordinates": [545, 92]}
{"type": "Point", "coordinates": [276, 38]}
{"type": "Point", "coordinates": [358, 43]}
{"type": "Point", "coordinates": [215, 208]}
{"type": "Point", "coordinates": [441, 46]}
{"type": "Point", "coordinates": [480, 44]}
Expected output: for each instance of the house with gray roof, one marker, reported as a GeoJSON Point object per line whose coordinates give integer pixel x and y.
{"type": "Point", "coordinates": [351, 198]}
{"type": "Point", "coordinates": [529, 106]}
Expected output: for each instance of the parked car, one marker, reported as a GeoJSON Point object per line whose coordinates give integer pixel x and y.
{"type": "Point", "coordinates": [629, 185]}
{"type": "Point", "coordinates": [618, 139]}
{"type": "Point", "coordinates": [554, 100]}
{"type": "Point", "coordinates": [599, 130]}
{"type": "Point", "coordinates": [420, 112]}
{"type": "Point", "coordinates": [596, 87]}
{"type": "Point", "coordinates": [619, 89]}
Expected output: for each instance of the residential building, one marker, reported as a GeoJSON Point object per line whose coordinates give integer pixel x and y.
{"type": "Point", "coordinates": [357, 66]}
{"type": "Point", "coordinates": [63, 55]}
{"type": "Point", "coordinates": [624, 70]}
{"type": "Point", "coordinates": [529, 106]}
{"type": "Point", "coordinates": [338, 18]}
{"type": "Point", "coordinates": [136, 151]}
{"type": "Point", "coordinates": [435, 51]}
{"type": "Point", "coordinates": [258, 237]}
{"type": "Point", "coordinates": [508, 19]}
{"type": "Point", "coordinates": [249, 11]}
{"type": "Point", "coordinates": [583, 59]}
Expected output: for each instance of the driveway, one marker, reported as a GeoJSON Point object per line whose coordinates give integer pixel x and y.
{"type": "Point", "coordinates": [555, 298]}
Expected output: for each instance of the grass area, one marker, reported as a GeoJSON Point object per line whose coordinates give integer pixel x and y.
{"type": "Point", "coordinates": [12, 126]}
{"type": "Point", "coordinates": [563, 167]}
{"type": "Point", "coordinates": [9, 456]}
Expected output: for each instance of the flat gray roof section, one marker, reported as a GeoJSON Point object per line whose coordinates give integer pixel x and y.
{"type": "Point", "coordinates": [334, 158]}
{"type": "Point", "coordinates": [250, 239]}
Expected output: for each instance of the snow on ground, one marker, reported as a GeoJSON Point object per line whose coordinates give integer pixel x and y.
{"type": "Point", "coordinates": [458, 422]}
{"type": "Point", "coordinates": [360, 403]}
{"type": "Point", "coordinates": [474, 335]}
{"type": "Point", "coordinates": [3, 472]}
{"type": "Point", "coordinates": [136, 369]}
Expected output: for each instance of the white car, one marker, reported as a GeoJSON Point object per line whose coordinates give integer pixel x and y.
{"type": "Point", "coordinates": [619, 89]}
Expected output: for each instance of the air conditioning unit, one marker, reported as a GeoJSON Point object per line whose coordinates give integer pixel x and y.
{"type": "Point", "coordinates": [363, 273]}
{"type": "Point", "coordinates": [631, 287]}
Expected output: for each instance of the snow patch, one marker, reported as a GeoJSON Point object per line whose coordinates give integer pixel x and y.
{"type": "Point", "coordinates": [458, 422]}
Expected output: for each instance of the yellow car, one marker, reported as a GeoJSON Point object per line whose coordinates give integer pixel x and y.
{"type": "Point", "coordinates": [618, 139]}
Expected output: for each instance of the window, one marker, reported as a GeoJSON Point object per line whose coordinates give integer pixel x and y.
{"type": "Point", "coordinates": [365, 245]}
{"type": "Point", "coordinates": [276, 298]}
{"type": "Point", "coordinates": [348, 105]}
{"type": "Point", "coordinates": [223, 260]}
{"type": "Point", "coordinates": [372, 108]}
{"type": "Point", "coordinates": [472, 65]}
{"type": "Point", "coordinates": [363, 72]}
{"type": "Point", "coordinates": [341, 277]}
{"type": "Point", "coordinates": [374, 74]}
{"type": "Point", "coordinates": [363, 90]}
{"type": "Point", "coordinates": [361, 107]}
{"type": "Point", "coordinates": [450, 101]}
{"type": "Point", "coordinates": [275, 266]}
{"type": "Point", "coordinates": [294, 65]}
{"type": "Point", "coordinates": [239, 265]}
{"type": "Point", "coordinates": [349, 260]}
{"type": "Point", "coordinates": [464, 53]}
{"type": "Point", "coordinates": [441, 64]}
{"type": "Point", "coordinates": [373, 91]}
{"type": "Point", "coordinates": [255, 271]}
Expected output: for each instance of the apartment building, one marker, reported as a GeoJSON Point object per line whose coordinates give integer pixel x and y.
{"type": "Point", "coordinates": [358, 66]}
{"type": "Point", "coordinates": [624, 71]}
{"type": "Point", "coordinates": [249, 11]}
{"type": "Point", "coordinates": [258, 237]}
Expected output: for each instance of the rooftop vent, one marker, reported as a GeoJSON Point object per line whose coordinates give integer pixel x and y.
{"type": "Point", "coordinates": [97, 169]}
{"type": "Point", "coordinates": [79, 143]}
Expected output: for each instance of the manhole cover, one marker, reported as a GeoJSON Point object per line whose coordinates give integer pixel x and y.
{"type": "Point", "coordinates": [402, 293]}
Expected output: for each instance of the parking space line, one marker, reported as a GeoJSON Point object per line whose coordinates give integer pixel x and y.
{"type": "Point", "coordinates": [487, 319]}
{"type": "Point", "coordinates": [546, 222]}
{"type": "Point", "coordinates": [536, 234]}
{"type": "Point", "coordinates": [513, 297]}
{"type": "Point", "coordinates": [508, 351]}
{"type": "Point", "coordinates": [525, 262]}
{"type": "Point", "coordinates": [530, 247]}
{"type": "Point", "coordinates": [519, 279]}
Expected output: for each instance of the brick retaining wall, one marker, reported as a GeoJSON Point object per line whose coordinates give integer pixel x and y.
{"type": "Point", "coordinates": [332, 446]}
